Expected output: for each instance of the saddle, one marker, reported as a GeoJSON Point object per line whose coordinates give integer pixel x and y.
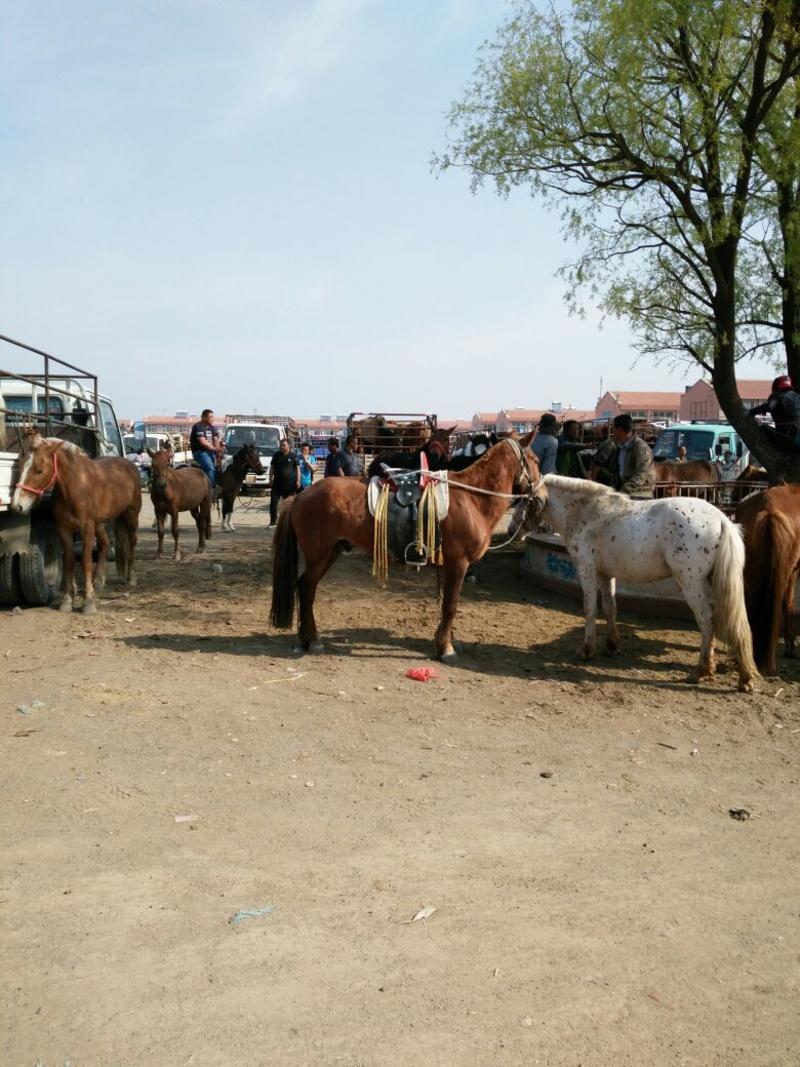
{"type": "Point", "coordinates": [407, 507]}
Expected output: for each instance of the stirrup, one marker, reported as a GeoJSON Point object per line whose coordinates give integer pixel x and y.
{"type": "Point", "coordinates": [418, 564]}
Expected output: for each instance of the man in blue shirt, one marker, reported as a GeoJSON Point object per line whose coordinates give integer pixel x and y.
{"type": "Point", "coordinates": [205, 445]}
{"type": "Point", "coordinates": [545, 444]}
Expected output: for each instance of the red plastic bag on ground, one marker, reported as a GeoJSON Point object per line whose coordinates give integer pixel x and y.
{"type": "Point", "coordinates": [421, 674]}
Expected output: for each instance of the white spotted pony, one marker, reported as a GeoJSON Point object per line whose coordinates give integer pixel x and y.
{"type": "Point", "coordinates": [609, 535]}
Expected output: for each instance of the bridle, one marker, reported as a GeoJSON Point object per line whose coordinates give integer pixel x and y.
{"type": "Point", "coordinates": [525, 470]}
{"type": "Point", "coordinates": [50, 484]}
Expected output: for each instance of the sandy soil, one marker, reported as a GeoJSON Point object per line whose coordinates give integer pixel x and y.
{"type": "Point", "coordinates": [595, 901]}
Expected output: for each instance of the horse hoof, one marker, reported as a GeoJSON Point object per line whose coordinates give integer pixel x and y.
{"type": "Point", "coordinates": [449, 657]}
{"type": "Point", "coordinates": [89, 607]}
{"type": "Point", "coordinates": [133, 580]}
{"type": "Point", "coordinates": [745, 685]}
{"type": "Point", "coordinates": [65, 605]}
{"type": "Point", "coordinates": [586, 651]}
{"type": "Point", "coordinates": [315, 647]}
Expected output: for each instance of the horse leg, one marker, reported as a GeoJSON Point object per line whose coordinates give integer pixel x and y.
{"type": "Point", "coordinates": [160, 516]}
{"type": "Point", "coordinates": [132, 525]}
{"type": "Point", "coordinates": [588, 577]}
{"type": "Point", "coordinates": [88, 534]}
{"type": "Point", "coordinates": [175, 533]}
{"type": "Point", "coordinates": [698, 595]}
{"type": "Point", "coordinates": [788, 619]}
{"type": "Point", "coordinates": [607, 592]}
{"type": "Point", "coordinates": [454, 572]}
{"type": "Point", "coordinates": [102, 556]}
{"type": "Point", "coordinates": [68, 581]}
{"type": "Point", "coordinates": [307, 584]}
{"type": "Point", "coordinates": [200, 522]}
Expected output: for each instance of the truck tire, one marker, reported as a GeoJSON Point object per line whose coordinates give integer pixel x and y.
{"type": "Point", "coordinates": [41, 568]}
{"type": "Point", "coordinates": [10, 588]}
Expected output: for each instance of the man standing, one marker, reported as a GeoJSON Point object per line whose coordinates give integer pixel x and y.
{"type": "Point", "coordinates": [631, 461]}
{"type": "Point", "coordinates": [545, 444]}
{"type": "Point", "coordinates": [568, 460]}
{"type": "Point", "coordinates": [333, 461]}
{"type": "Point", "coordinates": [349, 458]}
{"type": "Point", "coordinates": [784, 407]}
{"type": "Point", "coordinates": [307, 464]}
{"type": "Point", "coordinates": [205, 445]}
{"type": "Point", "coordinates": [284, 478]}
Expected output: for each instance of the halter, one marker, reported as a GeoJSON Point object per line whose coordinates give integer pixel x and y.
{"type": "Point", "coordinates": [50, 484]}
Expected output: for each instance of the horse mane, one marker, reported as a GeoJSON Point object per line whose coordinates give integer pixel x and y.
{"type": "Point", "coordinates": [69, 445]}
{"type": "Point", "coordinates": [579, 486]}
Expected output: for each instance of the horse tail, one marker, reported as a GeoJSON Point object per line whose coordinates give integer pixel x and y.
{"type": "Point", "coordinates": [769, 575]}
{"type": "Point", "coordinates": [122, 547]}
{"type": "Point", "coordinates": [285, 559]}
{"type": "Point", "coordinates": [730, 613]}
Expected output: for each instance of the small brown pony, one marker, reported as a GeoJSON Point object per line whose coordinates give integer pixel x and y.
{"type": "Point", "coordinates": [333, 514]}
{"type": "Point", "coordinates": [173, 491]}
{"type": "Point", "coordinates": [693, 470]}
{"type": "Point", "coordinates": [86, 494]}
{"type": "Point", "coordinates": [771, 522]}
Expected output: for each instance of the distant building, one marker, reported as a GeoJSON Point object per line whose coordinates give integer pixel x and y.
{"type": "Point", "coordinates": [699, 401]}
{"type": "Point", "coordinates": [652, 407]}
{"type": "Point", "coordinates": [523, 420]}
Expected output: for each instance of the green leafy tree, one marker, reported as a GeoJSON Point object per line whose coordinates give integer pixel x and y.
{"type": "Point", "coordinates": [642, 120]}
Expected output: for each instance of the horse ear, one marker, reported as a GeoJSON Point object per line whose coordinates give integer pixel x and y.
{"type": "Point", "coordinates": [34, 438]}
{"type": "Point", "coordinates": [151, 454]}
{"type": "Point", "coordinates": [525, 441]}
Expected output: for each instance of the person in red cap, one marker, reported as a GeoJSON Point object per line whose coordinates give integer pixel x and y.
{"type": "Point", "coordinates": [783, 405]}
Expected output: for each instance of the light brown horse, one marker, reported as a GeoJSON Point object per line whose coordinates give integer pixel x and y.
{"type": "Point", "coordinates": [173, 491]}
{"type": "Point", "coordinates": [771, 522]}
{"type": "Point", "coordinates": [334, 514]}
{"type": "Point", "coordinates": [86, 494]}
{"type": "Point", "coordinates": [693, 470]}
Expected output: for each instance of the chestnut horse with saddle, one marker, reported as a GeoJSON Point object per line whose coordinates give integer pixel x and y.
{"type": "Point", "coordinates": [87, 493]}
{"type": "Point", "coordinates": [771, 524]}
{"type": "Point", "coordinates": [173, 491]}
{"type": "Point", "coordinates": [334, 515]}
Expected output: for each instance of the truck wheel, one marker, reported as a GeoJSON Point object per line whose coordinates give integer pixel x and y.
{"type": "Point", "coordinates": [41, 568]}
{"type": "Point", "coordinates": [10, 588]}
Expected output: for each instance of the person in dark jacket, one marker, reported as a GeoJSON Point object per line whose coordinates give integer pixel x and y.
{"type": "Point", "coordinates": [569, 461]}
{"type": "Point", "coordinates": [783, 405]}
{"type": "Point", "coordinates": [631, 461]}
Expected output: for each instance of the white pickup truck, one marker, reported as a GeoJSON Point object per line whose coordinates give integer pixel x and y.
{"type": "Point", "coordinates": [60, 400]}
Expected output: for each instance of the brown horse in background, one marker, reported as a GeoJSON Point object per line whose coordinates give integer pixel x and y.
{"type": "Point", "coordinates": [750, 481]}
{"type": "Point", "coordinates": [229, 483]}
{"type": "Point", "coordinates": [436, 450]}
{"type": "Point", "coordinates": [86, 494]}
{"type": "Point", "coordinates": [693, 470]}
{"type": "Point", "coordinates": [333, 515]}
{"type": "Point", "coordinates": [173, 491]}
{"type": "Point", "coordinates": [771, 522]}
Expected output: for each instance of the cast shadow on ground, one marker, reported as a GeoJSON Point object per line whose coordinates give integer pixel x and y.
{"type": "Point", "coordinates": [556, 659]}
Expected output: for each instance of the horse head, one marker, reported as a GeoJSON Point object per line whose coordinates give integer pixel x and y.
{"type": "Point", "coordinates": [39, 471]}
{"type": "Point", "coordinates": [437, 448]}
{"type": "Point", "coordinates": [161, 462]}
{"type": "Point", "coordinates": [252, 459]}
{"type": "Point", "coordinates": [529, 483]}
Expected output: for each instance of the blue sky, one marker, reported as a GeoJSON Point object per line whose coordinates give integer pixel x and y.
{"type": "Point", "coordinates": [229, 203]}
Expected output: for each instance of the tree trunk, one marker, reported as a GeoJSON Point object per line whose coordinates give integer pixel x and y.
{"type": "Point", "coordinates": [779, 467]}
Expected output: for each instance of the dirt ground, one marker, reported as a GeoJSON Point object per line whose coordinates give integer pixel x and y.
{"type": "Point", "coordinates": [595, 901]}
